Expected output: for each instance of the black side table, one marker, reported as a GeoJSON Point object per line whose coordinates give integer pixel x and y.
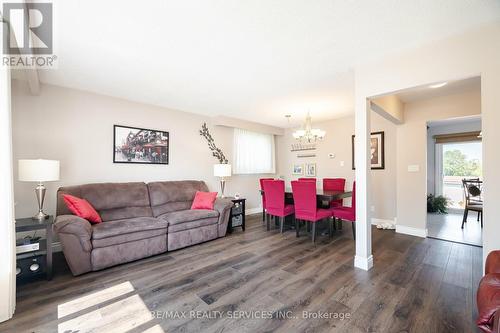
{"type": "Point", "coordinates": [45, 246]}
{"type": "Point", "coordinates": [237, 215]}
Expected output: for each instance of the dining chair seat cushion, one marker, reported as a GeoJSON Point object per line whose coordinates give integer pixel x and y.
{"type": "Point", "coordinates": [288, 210]}
{"type": "Point", "coordinates": [335, 203]}
{"type": "Point", "coordinates": [344, 213]}
{"type": "Point", "coordinates": [320, 215]}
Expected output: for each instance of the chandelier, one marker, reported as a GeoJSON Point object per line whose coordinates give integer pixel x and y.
{"type": "Point", "coordinates": [307, 133]}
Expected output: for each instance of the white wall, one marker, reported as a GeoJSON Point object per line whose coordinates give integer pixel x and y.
{"type": "Point", "coordinates": [470, 125]}
{"type": "Point", "coordinates": [468, 55]}
{"type": "Point", "coordinates": [76, 128]}
{"type": "Point", "coordinates": [338, 141]}
{"type": "Point", "coordinates": [7, 239]}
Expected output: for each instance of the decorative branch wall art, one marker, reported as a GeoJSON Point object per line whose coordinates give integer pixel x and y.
{"type": "Point", "coordinates": [216, 152]}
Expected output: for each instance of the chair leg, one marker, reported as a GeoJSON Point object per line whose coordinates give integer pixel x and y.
{"type": "Point", "coordinates": [340, 224]}
{"type": "Point", "coordinates": [334, 224]}
{"type": "Point", "coordinates": [282, 218]}
{"type": "Point", "coordinates": [330, 227]}
{"type": "Point", "coordinates": [308, 228]}
{"type": "Point", "coordinates": [297, 227]}
{"type": "Point", "coordinates": [481, 219]}
{"type": "Point", "coordinates": [263, 215]}
{"type": "Point", "coordinates": [354, 230]}
{"type": "Point", "coordinates": [268, 218]}
{"type": "Point", "coordinates": [466, 212]}
{"type": "Point", "coordinates": [313, 232]}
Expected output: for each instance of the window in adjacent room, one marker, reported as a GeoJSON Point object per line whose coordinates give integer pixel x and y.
{"type": "Point", "coordinates": [253, 152]}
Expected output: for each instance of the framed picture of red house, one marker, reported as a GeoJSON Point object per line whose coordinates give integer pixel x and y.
{"type": "Point", "coordinates": [140, 145]}
{"type": "Point", "coordinates": [377, 151]}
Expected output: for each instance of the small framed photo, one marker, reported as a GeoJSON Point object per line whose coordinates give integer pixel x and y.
{"type": "Point", "coordinates": [311, 170]}
{"type": "Point", "coordinates": [298, 169]}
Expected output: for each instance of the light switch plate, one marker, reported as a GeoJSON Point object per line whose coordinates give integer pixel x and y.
{"type": "Point", "coordinates": [413, 168]}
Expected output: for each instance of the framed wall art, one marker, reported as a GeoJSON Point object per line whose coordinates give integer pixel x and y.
{"type": "Point", "coordinates": [377, 151]}
{"type": "Point", "coordinates": [140, 145]}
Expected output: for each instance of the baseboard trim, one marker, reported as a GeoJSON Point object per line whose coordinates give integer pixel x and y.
{"type": "Point", "coordinates": [363, 263]}
{"type": "Point", "coordinates": [403, 229]}
{"type": "Point", "coordinates": [376, 221]}
{"type": "Point", "coordinates": [251, 211]}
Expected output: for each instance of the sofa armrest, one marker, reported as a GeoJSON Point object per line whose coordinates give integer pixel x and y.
{"type": "Point", "coordinates": [488, 301]}
{"type": "Point", "coordinates": [75, 234]}
{"type": "Point", "coordinates": [492, 264]}
{"type": "Point", "coordinates": [223, 206]}
{"type": "Point", "coordinates": [496, 323]}
{"type": "Point", "coordinates": [72, 224]}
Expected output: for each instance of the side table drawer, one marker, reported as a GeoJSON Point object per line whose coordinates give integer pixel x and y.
{"type": "Point", "coordinates": [237, 209]}
{"type": "Point", "coordinates": [236, 221]}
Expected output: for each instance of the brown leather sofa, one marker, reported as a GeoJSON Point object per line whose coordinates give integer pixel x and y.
{"type": "Point", "coordinates": [488, 295]}
{"type": "Point", "coordinates": [139, 220]}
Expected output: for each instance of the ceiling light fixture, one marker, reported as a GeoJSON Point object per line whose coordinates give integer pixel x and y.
{"type": "Point", "coordinates": [307, 133]}
{"type": "Point", "coordinates": [438, 85]}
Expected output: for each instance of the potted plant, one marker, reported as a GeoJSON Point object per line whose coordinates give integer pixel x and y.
{"type": "Point", "coordinates": [437, 204]}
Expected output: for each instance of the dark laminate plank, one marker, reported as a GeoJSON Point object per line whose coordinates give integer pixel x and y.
{"type": "Point", "coordinates": [416, 285]}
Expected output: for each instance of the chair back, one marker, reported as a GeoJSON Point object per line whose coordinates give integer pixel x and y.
{"type": "Point", "coordinates": [353, 200]}
{"type": "Point", "coordinates": [275, 196]}
{"type": "Point", "coordinates": [304, 199]}
{"type": "Point", "coordinates": [472, 190]}
{"type": "Point", "coordinates": [334, 184]}
{"type": "Point", "coordinates": [307, 180]}
{"type": "Point", "coordinates": [261, 181]}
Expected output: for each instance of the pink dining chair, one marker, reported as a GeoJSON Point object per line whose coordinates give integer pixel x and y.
{"type": "Point", "coordinates": [307, 180]}
{"type": "Point", "coordinates": [334, 184]}
{"type": "Point", "coordinates": [347, 213]}
{"type": "Point", "coordinates": [263, 195]}
{"type": "Point", "coordinates": [275, 201]}
{"type": "Point", "coordinates": [304, 198]}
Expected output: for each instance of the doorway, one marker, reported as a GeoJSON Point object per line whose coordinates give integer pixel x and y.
{"type": "Point", "coordinates": [457, 149]}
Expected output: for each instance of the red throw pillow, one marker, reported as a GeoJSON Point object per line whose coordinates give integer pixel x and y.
{"type": "Point", "coordinates": [204, 200]}
{"type": "Point", "coordinates": [82, 208]}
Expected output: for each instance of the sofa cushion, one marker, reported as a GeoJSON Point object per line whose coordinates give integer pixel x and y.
{"type": "Point", "coordinates": [171, 196]}
{"type": "Point", "coordinates": [188, 215]}
{"type": "Point", "coordinates": [126, 226]}
{"type": "Point", "coordinates": [82, 208]}
{"type": "Point", "coordinates": [127, 238]}
{"type": "Point", "coordinates": [204, 200]}
{"type": "Point", "coordinates": [191, 225]}
{"type": "Point", "coordinates": [113, 201]}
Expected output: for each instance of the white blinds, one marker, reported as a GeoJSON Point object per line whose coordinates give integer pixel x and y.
{"type": "Point", "coordinates": [253, 152]}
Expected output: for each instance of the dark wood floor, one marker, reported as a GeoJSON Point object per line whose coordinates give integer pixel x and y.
{"type": "Point", "coordinates": [416, 285]}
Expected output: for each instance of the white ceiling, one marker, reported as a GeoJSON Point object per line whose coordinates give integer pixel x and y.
{"type": "Point", "coordinates": [451, 87]}
{"type": "Point", "coordinates": [255, 60]}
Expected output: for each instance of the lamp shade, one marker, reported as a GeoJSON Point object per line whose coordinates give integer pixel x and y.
{"type": "Point", "coordinates": [222, 170]}
{"type": "Point", "coordinates": [38, 170]}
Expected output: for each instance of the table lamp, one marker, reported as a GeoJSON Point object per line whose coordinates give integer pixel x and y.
{"type": "Point", "coordinates": [39, 171]}
{"type": "Point", "coordinates": [222, 171]}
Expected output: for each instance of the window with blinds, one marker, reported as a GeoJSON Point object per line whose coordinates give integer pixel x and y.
{"type": "Point", "coordinates": [457, 137]}
{"type": "Point", "coordinates": [253, 152]}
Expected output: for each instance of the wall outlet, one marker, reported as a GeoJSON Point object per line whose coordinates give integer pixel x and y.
{"type": "Point", "coordinates": [342, 163]}
{"type": "Point", "coordinates": [413, 168]}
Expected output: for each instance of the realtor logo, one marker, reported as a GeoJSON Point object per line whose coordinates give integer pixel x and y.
{"type": "Point", "coordinates": [28, 34]}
